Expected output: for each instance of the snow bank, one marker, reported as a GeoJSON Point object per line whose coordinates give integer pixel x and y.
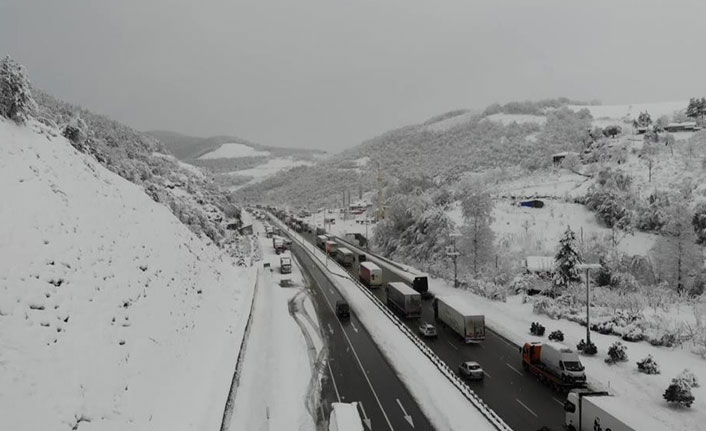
{"type": "Point", "coordinates": [232, 151]}
{"type": "Point", "coordinates": [113, 315]}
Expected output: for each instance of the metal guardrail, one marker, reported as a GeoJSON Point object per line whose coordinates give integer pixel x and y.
{"type": "Point", "coordinates": [450, 375]}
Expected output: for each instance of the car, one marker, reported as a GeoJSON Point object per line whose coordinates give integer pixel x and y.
{"type": "Point", "coordinates": [343, 310]}
{"type": "Point", "coordinates": [427, 330]}
{"type": "Point", "coordinates": [471, 370]}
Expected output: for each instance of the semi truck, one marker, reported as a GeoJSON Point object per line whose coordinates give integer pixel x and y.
{"type": "Point", "coordinates": [331, 247]}
{"type": "Point", "coordinates": [285, 265]}
{"type": "Point", "coordinates": [554, 364]}
{"type": "Point", "coordinates": [278, 244]}
{"type": "Point", "coordinates": [321, 241]}
{"type": "Point", "coordinates": [460, 317]}
{"type": "Point", "coordinates": [589, 411]}
{"type": "Point", "coordinates": [404, 299]}
{"type": "Point", "coordinates": [345, 257]}
{"type": "Point", "coordinates": [370, 274]}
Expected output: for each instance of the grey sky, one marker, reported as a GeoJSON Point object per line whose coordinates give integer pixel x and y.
{"type": "Point", "coordinates": [331, 73]}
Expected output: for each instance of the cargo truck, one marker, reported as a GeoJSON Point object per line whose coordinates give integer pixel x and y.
{"type": "Point", "coordinates": [331, 247]}
{"type": "Point", "coordinates": [404, 299]}
{"type": "Point", "coordinates": [278, 244]}
{"type": "Point", "coordinates": [285, 265]}
{"type": "Point", "coordinates": [589, 411]}
{"type": "Point", "coordinates": [345, 257]}
{"type": "Point", "coordinates": [321, 242]}
{"type": "Point", "coordinates": [554, 364]}
{"type": "Point", "coordinates": [460, 317]}
{"type": "Point", "coordinates": [370, 274]}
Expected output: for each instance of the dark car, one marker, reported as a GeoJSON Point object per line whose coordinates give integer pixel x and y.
{"type": "Point", "coordinates": [343, 311]}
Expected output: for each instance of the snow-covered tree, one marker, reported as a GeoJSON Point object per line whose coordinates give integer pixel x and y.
{"type": "Point", "coordinates": [567, 259]}
{"type": "Point", "coordinates": [76, 131]}
{"type": "Point", "coordinates": [617, 353]}
{"type": "Point", "coordinates": [648, 365]}
{"type": "Point", "coordinates": [696, 109]}
{"type": "Point", "coordinates": [16, 102]}
{"type": "Point", "coordinates": [644, 119]}
{"type": "Point", "coordinates": [675, 253]}
{"type": "Point", "coordinates": [679, 392]}
{"type": "Point", "coordinates": [478, 239]}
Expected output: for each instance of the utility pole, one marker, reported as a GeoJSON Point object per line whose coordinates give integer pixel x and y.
{"type": "Point", "coordinates": [453, 254]}
{"type": "Point", "coordinates": [588, 267]}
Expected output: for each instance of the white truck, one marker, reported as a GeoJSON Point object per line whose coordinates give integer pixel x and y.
{"type": "Point", "coordinates": [345, 417]}
{"type": "Point", "coordinates": [599, 411]}
{"type": "Point", "coordinates": [460, 317]}
{"type": "Point", "coordinates": [404, 299]}
{"type": "Point", "coordinates": [285, 265]}
{"type": "Point", "coordinates": [370, 274]}
{"type": "Point", "coordinates": [554, 364]}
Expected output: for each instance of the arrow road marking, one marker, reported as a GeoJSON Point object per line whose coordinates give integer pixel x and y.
{"type": "Point", "coordinates": [365, 416]}
{"type": "Point", "coordinates": [330, 328]}
{"type": "Point", "coordinates": [513, 368]}
{"type": "Point", "coordinates": [407, 417]}
{"type": "Point", "coordinates": [527, 408]}
{"type": "Point", "coordinates": [354, 328]}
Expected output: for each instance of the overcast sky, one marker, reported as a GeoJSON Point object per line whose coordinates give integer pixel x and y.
{"type": "Point", "coordinates": [331, 73]}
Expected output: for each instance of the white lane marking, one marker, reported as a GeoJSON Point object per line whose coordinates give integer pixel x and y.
{"type": "Point", "coordinates": [366, 420]}
{"type": "Point", "coordinates": [360, 364]}
{"type": "Point", "coordinates": [407, 417]}
{"type": "Point", "coordinates": [487, 375]}
{"type": "Point", "coordinates": [353, 326]}
{"type": "Point", "coordinates": [561, 403]}
{"type": "Point", "coordinates": [330, 328]}
{"type": "Point", "coordinates": [333, 379]}
{"type": "Point", "coordinates": [331, 290]}
{"type": "Point", "coordinates": [452, 344]}
{"type": "Point", "coordinates": [481, 345]}
{"type": "Point", "coordinates": [514, 369]}
{"type": "Point", "coordinates": [527, 408]}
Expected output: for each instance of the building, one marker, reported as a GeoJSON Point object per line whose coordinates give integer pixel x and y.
{"type": "Point", "coordinates": [559, 157]}
{"type": "Point", "coordinates": [687, 126]}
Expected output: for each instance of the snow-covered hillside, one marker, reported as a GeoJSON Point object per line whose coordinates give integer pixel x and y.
{"type": "Point", "coordinates": [113, 315]}
{"type": "Point", "coordinates": [234, 150]}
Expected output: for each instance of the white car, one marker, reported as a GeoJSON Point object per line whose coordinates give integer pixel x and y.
{"type": "Point", "coordinates": [427, 330]}
{"type": "Point", "coordinates": [471, 370]}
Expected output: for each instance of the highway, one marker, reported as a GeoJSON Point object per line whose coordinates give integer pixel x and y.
{"type": "Point", "coordinates": [357, 370]}
{"type": "Point", "coordinates": [517, 397]}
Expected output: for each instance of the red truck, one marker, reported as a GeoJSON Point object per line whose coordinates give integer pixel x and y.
{"type": "Point", "coordinates": [554, 364]}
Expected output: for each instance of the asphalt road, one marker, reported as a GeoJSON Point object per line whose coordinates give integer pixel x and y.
{"type": "Point", "coordinates": [357, 370]}
{"type": "Point", "coordinates": [516, 396]}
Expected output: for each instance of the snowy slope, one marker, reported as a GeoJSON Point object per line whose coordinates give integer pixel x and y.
{"type": "Point", "coordinates": [234, 150]}
{"type": "Point", "coordinates": [113, 316]}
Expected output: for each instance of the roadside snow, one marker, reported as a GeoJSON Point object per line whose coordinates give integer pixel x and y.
{"type": "Point", "coordinates": [232, 151]}
{"type": "Point", "coordinates": [276, 387]}
{"type": "Point", "coordinates": [113, 315]}
{"type": "Point", "coordinates": [631, 388]}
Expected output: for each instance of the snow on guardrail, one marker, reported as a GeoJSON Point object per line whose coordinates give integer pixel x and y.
{"type": "Point", "coordinates": [466, 391]}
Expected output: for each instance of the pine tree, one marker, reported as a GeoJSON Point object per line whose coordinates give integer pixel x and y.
{"type": "Point", "coordinates": [679, 391]}
{"type": "Point", "coordinates": [644, 119]}
{"type": "Point", "coordinates": [567, 259]}
{"type": "Point", "coordinates": [16, 102]}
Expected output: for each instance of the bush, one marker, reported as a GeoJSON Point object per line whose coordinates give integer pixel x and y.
{"type": "Point", "coordinates": [689, 377]}
{"type": "Point", "coordinates": [617, 353]}
{"type": "Point", "coordinates": [679, 392]}
{"type": "Point", "coordinates": [648, 365]}
{"type": "Point", "coordinates": [537, 329]}
{"type": "Point", "coordinates": [16, 102]}
{"type": "Point", "coordinates": [587, 348]}
{"type": "Point", "coordinates": [556, 335]}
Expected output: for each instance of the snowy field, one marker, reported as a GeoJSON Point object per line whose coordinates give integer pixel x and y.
{"type": "Point", "coordinates": [272, 167]}
{"type": "Point", "coordinates": [278, 389]}
{"type": "Point", "coordinates": [618, 112]}
{"type": "Point", "coordinates": [560, 184]}
{"type": "Point", "coordinates": [232, 151]}
{"type": "Point", "coordinates": [507, 119]}
{"type": "Point", "coordinates": [449, 123]}
{"type": "Point", "coordinates": [113, 315]}
{"type": "Point", "coordinates": [639, 391]}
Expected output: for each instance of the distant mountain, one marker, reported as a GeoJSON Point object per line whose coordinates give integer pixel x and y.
{"type": "Point", "coordinates": [235, 162]}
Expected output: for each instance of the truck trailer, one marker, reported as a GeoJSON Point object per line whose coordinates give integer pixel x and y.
{"type": "Point", "coordinates": [554, 364]}
{"type": "Point", "coordinates": [278, 244]}
{"type": "Point", "coordinates": [404, 299]}
{"type": "Point", "coordinates": [345, 257]}
{"type": "Point", "coordinates": [460, 317]}
{"type": "Point", "coordinates": [370, 274]}
{"type": "Point", "coordinates": [321, 241]}
{"type": "Point", "coordinates": [331, 247]}
{"type": "Point", "coordinates": [590, 411]}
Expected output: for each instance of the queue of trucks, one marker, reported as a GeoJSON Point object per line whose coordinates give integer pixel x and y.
{"type": "Point", "coordinates": [552, 363]}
